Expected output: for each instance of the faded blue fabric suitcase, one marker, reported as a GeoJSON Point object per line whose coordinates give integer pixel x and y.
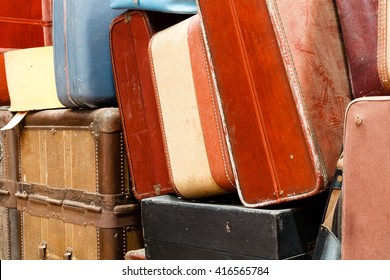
{"type": "Point", "coordinates": [83, 69]}
{"type": "Point", "coordinates": [166, 6]}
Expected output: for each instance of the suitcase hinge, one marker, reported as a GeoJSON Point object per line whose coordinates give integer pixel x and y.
{"type": "Point", "coordinates": [68, 254]}
{"type": "Point", "coordinates": [157, 189]}
{"type": "Point", "coordinates": [43, 250]}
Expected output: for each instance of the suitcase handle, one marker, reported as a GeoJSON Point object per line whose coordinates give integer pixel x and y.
{"type": "Point", "coordinates": [44, 199]}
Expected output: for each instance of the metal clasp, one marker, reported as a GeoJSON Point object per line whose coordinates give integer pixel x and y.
{"type": "Point", "coordinates": [68, 254]}
{"type": "Point", "coordinates": [42, 249]}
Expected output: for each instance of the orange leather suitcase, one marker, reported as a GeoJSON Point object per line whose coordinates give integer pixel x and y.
{"type": "Point", "coordinates": [194, 137]}
{"type": "Point", "coordinates": [25, 24]}
{"type": "Point", "coordinates": [129, 39]}
{"type": "Point", "coordinates": [4, 94]}
{"type": "Point", "coordinates": [280, 71]}
{"type": "Point", "coordinates": [365, 226]}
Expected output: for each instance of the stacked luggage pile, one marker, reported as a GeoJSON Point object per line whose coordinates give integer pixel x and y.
{"type": "Point", "coordinates": [186, 129]}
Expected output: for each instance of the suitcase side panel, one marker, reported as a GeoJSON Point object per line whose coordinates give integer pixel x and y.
{"type": "Point", "coordinates": [268, 136]}
{"type": "Point", "coordinates": [82, 55]}
{"type": "Point", "coordinates": [365, 213]}
{"type": "Point", "coordinates": [210, 118]}
{"type": "Point", "coordinates": [53, 239]}
{"type": "Point", "coordinates": [318, 60]}
{"type": "Point", "coordinates": [359, 26]}
{"type": "Point", "coordinates": [130, 34]}
{"type": "Point", "coordinates": [179, 114]}
{"type": "Point", "coordinates": [24, 25]}
{"type": "Point", "coordinates": [4, 95]}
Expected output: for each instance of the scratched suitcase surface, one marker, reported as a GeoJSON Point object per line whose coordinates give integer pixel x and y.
{"type": "Point", "coordinates": [74, 195]}
{"type": "Point", "coordinates": [82, 60]}
{"type": "Point", "coordinates": [130, 34]}
{"type": "Point", "coordinates": [25, 24]}
{"type": "Point", "coordinates": [365, 223]}
{"type": "Point", "coordinates": [283, 87]}
{"type": "Point", "coordinates": [9, 215]}
{"type": "Point", "coordinates": [223, 228]}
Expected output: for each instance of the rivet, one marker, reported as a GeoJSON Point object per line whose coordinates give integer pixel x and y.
{"type": "Point", "coordinates": [291, 157]}
{"type": "Point", "coordinates": [359, 120]}
{"type": "Point", "coordinates": [339, 178]}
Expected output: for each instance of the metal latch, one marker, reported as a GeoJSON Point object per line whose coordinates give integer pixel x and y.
{"type": "Point", "coordinates": [42, 249]}
{"type": "Point", "coordinates": [68, 254]}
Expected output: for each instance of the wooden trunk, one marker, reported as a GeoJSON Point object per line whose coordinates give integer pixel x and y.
{"type": "Point", "coordinates": [75, 195]}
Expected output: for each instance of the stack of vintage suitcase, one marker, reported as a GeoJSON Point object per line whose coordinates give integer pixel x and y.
{"type": "Point", "coordinates": [187, 129]}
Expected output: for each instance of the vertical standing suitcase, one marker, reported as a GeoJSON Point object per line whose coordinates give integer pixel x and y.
{"type": "Point", "coordinates": [83, 67]}
{"type": "Point", "coordinates": [365, 227]}
{"type": "Point", "coordinates": [9, 215]}
{"type": "Point", "coordinates": [194, 139]}
{"type": "Point", "coordinates": [74, 195]}
{"type": "Point", "coordinates": [25, 24]}
{"type": "Point", "coordinates": [363, 31]}
{"type": "Point", "coordinates": [129, 39]}
{"type": "Point", "coordinates": [283, 87]}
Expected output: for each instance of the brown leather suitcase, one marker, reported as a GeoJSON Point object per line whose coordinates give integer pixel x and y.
{"type": "Point", "coordinates": [9, 215]}
{"type": "Point", "coordinates": [129, 39]}
{"type": "Point", "coordinates": [365, 226]}
{"type": "Point", "coordinates": [4, 94]}
{"type": "Point", "coordinates": [74, 194]}
{"type": "Point", "coordinates": [363, 31]}
{"type": "Point", "coordinates": [194, 140]}
{"type": "Point", "coordinates": [26, 24]}
{"type": "Point", "coordinates": [280, 71]}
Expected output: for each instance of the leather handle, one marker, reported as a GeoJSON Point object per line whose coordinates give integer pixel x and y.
{"type": "Point", "coordinates": [82, 206]}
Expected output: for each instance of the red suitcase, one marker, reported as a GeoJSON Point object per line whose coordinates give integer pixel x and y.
{"type": "Point", "coordinates": [365, 226]}
{"type": "Point", "coordinates": [4, 95]}
{"type": "Point", "coordinates": [362, 24]}
{"type": "Point", "coordinates": [193, 133]}
{"type": "Point", "coordinates": [25, 24]}
{"type": "Point", "coordinates": [129, 38]}
{"type": "Point", "coordinates": [282, 81]}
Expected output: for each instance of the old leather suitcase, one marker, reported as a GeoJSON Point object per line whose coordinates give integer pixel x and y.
{"type": "Point", "coordinates": [9, 215]}
{"type": "Point", "coordinates": [74, 195]}
{"type": "Point", "coordinates": [25, 24]}
{"type": "Point", "coordinates": [83, 67]}
{"type": "Point", "coordinates": [365, 198]}
{"type": "Point", "coordinates": [363, 30]}
{"type": "Point", "coordinates": [194, 140]}
{"type": "Point", "coordinates": [283, 87]}
{"type": "Point", "coordinates": [129, 39]}
{"type": "Point", "coordinates": [4, 95]}
{"type": "Point", "coordinates": [176, 228]}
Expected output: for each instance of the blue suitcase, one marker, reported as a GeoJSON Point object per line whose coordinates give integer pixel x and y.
{"type": "Point", "coordinates": [83, 69]}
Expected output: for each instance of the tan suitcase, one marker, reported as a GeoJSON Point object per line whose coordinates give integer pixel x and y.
{"type": "Point", "coordinates": [365, 227]}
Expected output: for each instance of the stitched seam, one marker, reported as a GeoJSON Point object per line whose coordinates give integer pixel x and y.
{"type": "Point", "coordinates": [214, 108]}
{"type": "Point", "coordinates": [160, 114]}
{"type": "Point", "coordinates": [382, 51]}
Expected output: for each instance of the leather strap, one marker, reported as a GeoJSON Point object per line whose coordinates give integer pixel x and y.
{"type": "Point", "coordinates": [26, 21]}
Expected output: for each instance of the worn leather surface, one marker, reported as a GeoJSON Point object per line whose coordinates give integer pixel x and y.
{"type": "Point", "coordinates": [359, 25]}
{"type": "Point", "coordinates": [4, 95]}
{"type": "Point", "coordinates": [83, 68]}
{"type": "Point", "coordinates": [365, 210]}
{"type": "Point", "coordinates": [194, 142]}
{"type": "Point", "coordinates": [283, 89]}
{"type": "Point", "coordinates": [129, 39]}
{"type": "Point", "coordinates": [25, 24]}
